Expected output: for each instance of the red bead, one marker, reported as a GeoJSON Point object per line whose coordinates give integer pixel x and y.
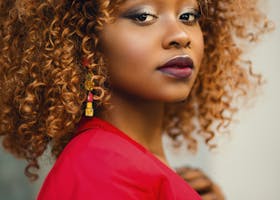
{"type": "Point", "coordinates": [90, 97]}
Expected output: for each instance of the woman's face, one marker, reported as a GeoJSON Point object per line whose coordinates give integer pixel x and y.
{"type": "Point", "coordinates": [154, 49]}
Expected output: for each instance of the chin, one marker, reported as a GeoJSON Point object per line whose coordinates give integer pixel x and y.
{"type": "Point", "coordinates": [176, 98]}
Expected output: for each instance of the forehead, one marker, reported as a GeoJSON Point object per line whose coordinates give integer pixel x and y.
{"type": "Point", "coordinates": [156, 2]}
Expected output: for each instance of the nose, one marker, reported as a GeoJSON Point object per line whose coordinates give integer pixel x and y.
{"type": "Point", "coordinates": [176, 36]}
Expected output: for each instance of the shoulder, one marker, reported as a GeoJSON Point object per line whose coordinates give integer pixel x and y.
{"type": "Point", "coordinates": [98, 161]}
{"type": "Point", "coordinates": [98, 147]}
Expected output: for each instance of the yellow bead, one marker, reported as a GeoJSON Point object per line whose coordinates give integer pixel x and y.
{"type": "Point", "coordinates": [89, 112]}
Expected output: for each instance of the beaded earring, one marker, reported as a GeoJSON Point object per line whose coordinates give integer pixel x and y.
{"type": "Point", "coordinates": [89, 86]}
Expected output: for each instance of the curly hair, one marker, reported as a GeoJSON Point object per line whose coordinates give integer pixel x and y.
{"type": "Point", "coordinates": [43, 44]}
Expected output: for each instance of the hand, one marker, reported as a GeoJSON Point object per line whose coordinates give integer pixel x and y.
{"type": "Point", "coordinates": [201, 183]}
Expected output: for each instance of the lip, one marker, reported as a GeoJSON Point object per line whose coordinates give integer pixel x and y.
{"type": "Point", "coordinates": [180, 67]}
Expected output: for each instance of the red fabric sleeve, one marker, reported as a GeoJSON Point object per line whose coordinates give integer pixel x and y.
{"type": "Point", "coordinates": [93, 172]}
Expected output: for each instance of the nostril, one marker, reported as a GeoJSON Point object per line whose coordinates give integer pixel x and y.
{"type": "Point", "coordinates": [188, 45]}
{"type": "Point", "coordinates": [175, 44]}
{"type": "Point", "coordinates": [179, 45]}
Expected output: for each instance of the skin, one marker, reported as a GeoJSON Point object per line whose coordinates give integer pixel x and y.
{"type": "Point", "coordinates": [201, 183]}
{"type": "Point", "coordinates": [135, 47]}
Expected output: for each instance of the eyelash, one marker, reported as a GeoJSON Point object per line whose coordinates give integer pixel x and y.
{"type": "Point", "coordinates": [195, 14]}
{"type": "Point", "coordinates": [137, 17]}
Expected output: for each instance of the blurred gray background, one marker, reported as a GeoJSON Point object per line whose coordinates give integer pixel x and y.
{"type": "Point", "coordinates": [247, 162]}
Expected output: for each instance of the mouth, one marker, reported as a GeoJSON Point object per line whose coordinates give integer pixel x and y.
{"type": "Point", "coordinates": [180, 67]}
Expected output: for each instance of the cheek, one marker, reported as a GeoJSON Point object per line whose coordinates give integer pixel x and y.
{"type": "Point", "coordinates": [127, 54]}
{"type": "Point", "coordinates": [199, 48]}
{"type": "Point", "coordinates": [125, 47]}
{"type": "Point", "coordinates": [128, 57]}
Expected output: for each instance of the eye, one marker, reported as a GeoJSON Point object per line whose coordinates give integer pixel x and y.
{"type": "Point", "coordinates": [143, 18]}
{"type": "Point", "coordinates": [190, 17]}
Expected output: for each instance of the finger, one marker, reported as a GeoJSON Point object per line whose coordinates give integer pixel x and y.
{"type": "Point", "coordinates": [218, 192]}
{"type": "Point", "coordinates": [209, 196]}
{"type": "Point", "coordinates": [200, 184]}
{"type": "Point", "coordinates": [190, 173]}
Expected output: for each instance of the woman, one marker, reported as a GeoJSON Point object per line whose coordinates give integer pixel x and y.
{"type": "Point", "coordinates": [141, 67]}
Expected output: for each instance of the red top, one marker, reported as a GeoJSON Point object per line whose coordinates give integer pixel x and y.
{"type": "Point", "coordinates": [103, 163]}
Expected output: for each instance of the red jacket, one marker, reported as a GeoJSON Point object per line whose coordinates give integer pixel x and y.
{"type": "Point", "coordinates": [103, 163]}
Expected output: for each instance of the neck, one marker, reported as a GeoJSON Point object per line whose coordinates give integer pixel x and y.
{"type": "Point", "coordinates": [139, 119]}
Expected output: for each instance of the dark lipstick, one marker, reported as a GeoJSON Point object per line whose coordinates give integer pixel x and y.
{"type": "Point", "coordinates": [179, 67]}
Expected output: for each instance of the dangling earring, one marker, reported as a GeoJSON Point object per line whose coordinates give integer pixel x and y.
{"type": "Point", "coordinates": [89, 112]}
{"type": "Point", "coordinates": [89, 85]}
